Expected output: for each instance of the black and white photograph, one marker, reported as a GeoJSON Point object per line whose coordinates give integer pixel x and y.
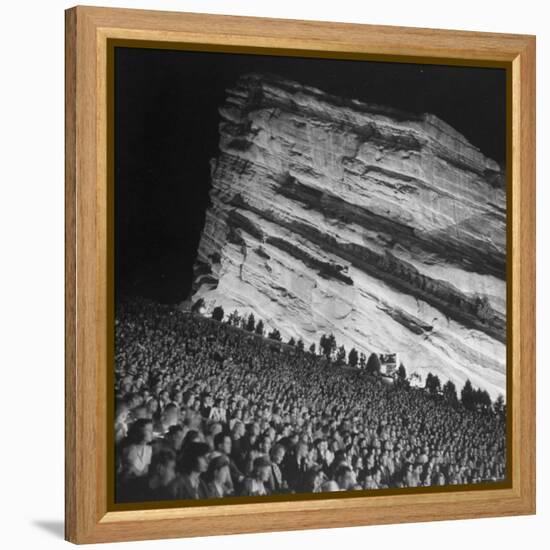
{"type": "Point", "coordinates": [310, 276]}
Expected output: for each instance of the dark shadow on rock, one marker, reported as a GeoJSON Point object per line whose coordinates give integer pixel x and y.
{"type": "Point", "coordinates": [54, 527]}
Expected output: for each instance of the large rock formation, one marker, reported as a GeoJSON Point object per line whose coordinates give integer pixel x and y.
{"type": "Point", "coordinates": [385, 228]}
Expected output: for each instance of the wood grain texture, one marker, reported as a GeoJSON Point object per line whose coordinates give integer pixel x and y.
{"type": "Point", "coordinates": [525, 256]}
{"type": "Point", "coordinates": [87, 31]}
{"type": "Point", "coordinates": [70, 274]}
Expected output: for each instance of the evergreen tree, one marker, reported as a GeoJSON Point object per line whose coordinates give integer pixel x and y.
{"type": "Point", "coordinates": [482, 399]}
{"type": "Point", "coordinates": [259, 327]}
{"type": "Point", "coordinates": [234, 319]}
{"type": "Point", "coordinates": [437, 384]}
{"type": "Point", "coordinates": [433, 384]}
{"type": "Point", "coordinates": [498, 405]}
{"type": "Point", "coordinates": [362, 360]}
{"type": "Point", "coordinates": [251, 323]}
{"type": "Point", "coordinates": [353, 357]}
{"type": "Point", "coordinates": [467, 395]}
{"type": "Point", "coordinates": [327, 345]}
{"type": "Point", "coordinates": [292, 342]}
{"type": "Point", "coordinates": [312, 349]}
{"type": "Point", "coordinates": [218, 313]}
{"type": "Point", "coordinates": [449, 393]}
{"type": "Point", "coordinates": [275, 335]}
{"type": "Point", "coordinates": [401, 374]}
{"type": "Point", "coordinates": [476, 397]}
{"type": "Point", "coordinates": [300, 344]}
{"type": "Point", "coordinates": [373, 364]}
{"type": "Point", "coordinates": [428, 383]}
{"type": "Point", "coordinates": [341, 355]}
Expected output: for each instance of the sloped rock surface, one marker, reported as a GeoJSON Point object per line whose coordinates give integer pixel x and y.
{"type": "Point", "coordinates": [387, 229]}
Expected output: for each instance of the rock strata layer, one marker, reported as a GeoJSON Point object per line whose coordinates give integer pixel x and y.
{"type": "Point", "coordinates": [384, 228]}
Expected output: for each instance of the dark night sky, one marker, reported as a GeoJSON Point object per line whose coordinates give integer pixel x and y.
{"type": "Point", "coordinates": [166, 131]}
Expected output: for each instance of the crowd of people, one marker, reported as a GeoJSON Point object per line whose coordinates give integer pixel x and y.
{"type": "Point", "coordinates": [207, 410]}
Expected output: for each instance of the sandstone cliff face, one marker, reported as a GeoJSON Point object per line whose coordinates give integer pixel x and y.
{"type": "Point", "coordinates": [387, 229]}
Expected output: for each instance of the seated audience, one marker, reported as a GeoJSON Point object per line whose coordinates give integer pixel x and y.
{"type": "Point", "coordinates": [206, 410]}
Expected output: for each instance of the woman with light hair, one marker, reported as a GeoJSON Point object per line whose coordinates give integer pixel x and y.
{"type": "Point", "coordinates": [136, 454]}
{"type": "Point", "coordinates": [255, 484]}
{"type": "Point", "coordinates": [121, 421]}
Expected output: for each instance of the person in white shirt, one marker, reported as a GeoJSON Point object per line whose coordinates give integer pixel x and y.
{"type": "Point", "coordinates": [136, 455]}
{"type": "Point", "coordinates": [255, 485]}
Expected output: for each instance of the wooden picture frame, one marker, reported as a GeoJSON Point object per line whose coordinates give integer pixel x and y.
{"type": "Point", "coordinates": [88, 516]}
